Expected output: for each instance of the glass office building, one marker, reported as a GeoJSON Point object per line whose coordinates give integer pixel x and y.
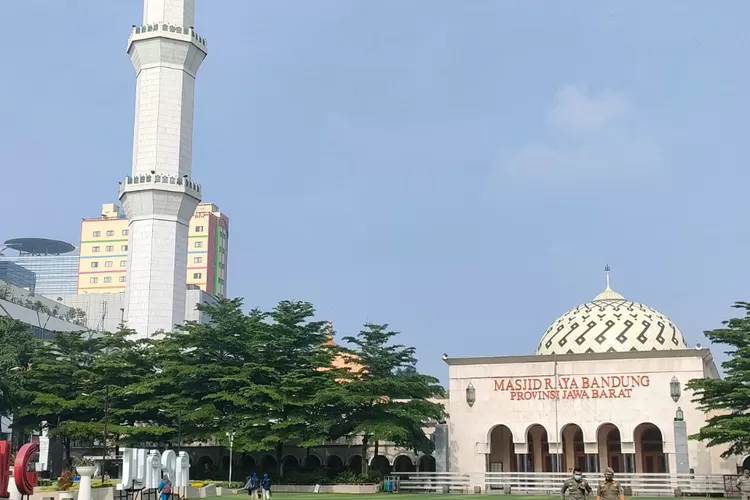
{"type": "Point", "coordinates": [16, 275]}
{"type": "Point", "coordinates": [55, 274]}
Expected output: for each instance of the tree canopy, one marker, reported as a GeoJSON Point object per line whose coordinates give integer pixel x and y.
{"type": "Point", "coordinates": [18, 345]}
{"type": "Point", "coordinates": [387, 399]}
{"type": "Point", "coordinates": [267, 377]}
{"type": "Point", "coordinates": [728, 399]}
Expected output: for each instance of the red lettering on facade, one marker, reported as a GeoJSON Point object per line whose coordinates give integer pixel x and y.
{"type": "Point", "coordinates": [596, 387]}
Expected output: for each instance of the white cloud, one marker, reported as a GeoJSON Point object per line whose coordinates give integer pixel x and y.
{"type": "Point", "coordinates": [587, 135]}
{"type": "Point", "coordinates": [577, 112]}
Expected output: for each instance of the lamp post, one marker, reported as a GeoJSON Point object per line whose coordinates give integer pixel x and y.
{"type": "Point", "coordinates": [681, 454]}
{"type": "Point", "coordinates": [471, 395]}
{"type": "Point", "coordinates": [106, 419]}
{"type": "Point", "coordinates": [230, 435]}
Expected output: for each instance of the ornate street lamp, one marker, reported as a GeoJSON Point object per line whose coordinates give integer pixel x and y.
{"type": "Point", "coordinates": [679, 415]}
{"type": "Point", "coordinates": [471, 394]}
{"type": "Point", "coordinates": [674, 389]}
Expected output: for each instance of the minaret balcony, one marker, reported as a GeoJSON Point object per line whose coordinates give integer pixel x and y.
{"type": "Point", "coordinates": [165, 30]}
{"type": "Point", "coordinates": [161, 182]}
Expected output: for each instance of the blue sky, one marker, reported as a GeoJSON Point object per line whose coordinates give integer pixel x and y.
{"type": "Point", "coordinates": [460, 170]}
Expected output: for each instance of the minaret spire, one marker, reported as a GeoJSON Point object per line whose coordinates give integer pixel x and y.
{"type": "Point", "coordinates": [606, 271]}
{"type": "Point", "coordinates": [159, 197]}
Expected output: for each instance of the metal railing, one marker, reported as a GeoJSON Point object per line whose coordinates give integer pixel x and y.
{"type": "Point", "coordinates": [548, 483]}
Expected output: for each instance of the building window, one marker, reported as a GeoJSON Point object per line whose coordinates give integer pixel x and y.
{"type": "Point", "coordinates": [96, 234]}
{"type": "Point", "coordinates": [93, 280]}
{"type": "Point", "coordinates": [122, 279]}
{"type": "Point", "coordinates": [110, 233]}
{"type": "Point", "coordinates": [108, 263]}
{"type": "Point", "coordinates": [197, 276]}
{"type": "Point", "coordinates": [94, 249]}
{"type": "Point", "coordinates": [94, 264]}
{"type": "Point", "coordinates": [198, 244]}
{"type": "Point", "coordinates": [197, 260]}
{"type": "Point", "coordinates": [123, 263]}
{"type": "Point", "coordinates": [124, 232]}
{"type": "Point", "coordinates": [124, 248]}
{"type": "Point", "coordinates": [108, 279]}
{"type": "Point", "coordinates": [198, 229]}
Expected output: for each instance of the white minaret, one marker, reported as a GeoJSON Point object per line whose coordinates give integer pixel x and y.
{"type": "Point", "coordinates": [160, 197]}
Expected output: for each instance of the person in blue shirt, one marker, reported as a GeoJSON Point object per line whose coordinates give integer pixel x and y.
{"type": "Point", "coordinates": [253, 486]}
{"type": "Point", "coordinates": [165, 488]}
{"type": "Point", "coordinates": [266, 485]}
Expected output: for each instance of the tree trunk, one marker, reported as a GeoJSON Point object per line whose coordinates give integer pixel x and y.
{"type": "Point", "coordinates": [364, 453]}
{"type": "Point", "coordinates": [375, 451]}
{"type": "Point", "coordinates": [279, 463]}
{"type": "Point", "coordinates": [66, 445]}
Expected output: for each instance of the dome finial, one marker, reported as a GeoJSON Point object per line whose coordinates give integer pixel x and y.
{"type": "Point", "coordinates": [608, 293]}
{"type": "Point", "coordinates": [606, 271]}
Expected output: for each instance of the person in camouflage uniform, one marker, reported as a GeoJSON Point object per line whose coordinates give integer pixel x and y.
{"type": "Point", "coordinates": [575, 488]}
{"type": "Point", "coordinates": [743, 484]}
{"type": "Point", "coordinates": [609, 489]}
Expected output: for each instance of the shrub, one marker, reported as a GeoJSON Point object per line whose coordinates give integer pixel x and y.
{"type": "Point", "coordinates": [66, 480]}
{"type": "Point", "coordinates": [348, 477]}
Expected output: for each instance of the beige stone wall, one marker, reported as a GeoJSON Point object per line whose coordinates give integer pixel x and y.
{"type": "Point", "coordinates": [636, 389]}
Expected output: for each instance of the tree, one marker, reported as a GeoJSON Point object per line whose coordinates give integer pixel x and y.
{"type": "Point", "coordinates": [18, 345]}
{"type": "Point", "coordinates": [263, 376]}
{"type": "Point", "coordinates": [387, 399]}
{"type": "Point", "coordinates": [55, 385]}
{"type": "Point", "coordinates": [200, 370]}
{"type": "Point", "coordinates": [294, 396]}
{"type": "Point", "coordinates": [728, 399]}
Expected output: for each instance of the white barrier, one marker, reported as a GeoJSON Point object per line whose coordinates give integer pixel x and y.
{"type": "Point", "coordinates": [549, 483]}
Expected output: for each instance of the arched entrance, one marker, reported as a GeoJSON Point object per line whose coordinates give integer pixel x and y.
{"type": "Point", "coordinates": [381, 464]}
{"type": "Point", "coordinates": [649, 449]}
{"type": "Point", "coordinates": [289, 463]}
{"type": "Point", "coordinates": [334, 463]}
{"type": "Point", "coordinates": [426, 463]}
{"type": "Point", "coordinates": [247, 465]}
{"type": "Point", "coordinates": [355, 463]}
{"type": "Point", "coordinates": [203, 467]}
{"type": "Point", "coordinates": [609, 442]}
{"type": "Point", "coordinates": [539, 458]}
{"type": "Point", "coordinates": [311, 462]}
{"type": "Point", "coordinates": [403, 464]}
{"type": "Point", "coordinates": [268, 465]}
{"type": "Point", "coordinates": [573, 450]}
{"type": "Point", "coordinates": [746, 464]}
{"type": "Point", "coordinates": [502, 454]}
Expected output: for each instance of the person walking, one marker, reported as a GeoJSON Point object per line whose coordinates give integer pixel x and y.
{"type": "Point", "coordinates": [266, 487]}
{"type": "Point", "coordinates": [609, 489]}
{"type": "Point", "coordinates": [165, 488]}
{"type": "Point", "coordinates": [743, 484]}
{"type": "Point", "coordinates": [253, 486]}
{"type": "Point", "coordinates": [575, 488]}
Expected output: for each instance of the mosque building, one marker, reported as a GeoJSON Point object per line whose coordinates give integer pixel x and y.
{"type": "Point", "coordinates": [606, 388]}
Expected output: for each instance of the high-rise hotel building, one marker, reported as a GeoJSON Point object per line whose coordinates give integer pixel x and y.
{"type": "Point", "coordinates": [103, 266]}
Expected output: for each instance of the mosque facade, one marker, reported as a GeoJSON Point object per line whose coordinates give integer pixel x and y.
{"type": "Point", "coordinates": [606, 388]}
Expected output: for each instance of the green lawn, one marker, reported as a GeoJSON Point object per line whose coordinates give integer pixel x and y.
{"type": "Point", "coordinates": [400, 496]}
